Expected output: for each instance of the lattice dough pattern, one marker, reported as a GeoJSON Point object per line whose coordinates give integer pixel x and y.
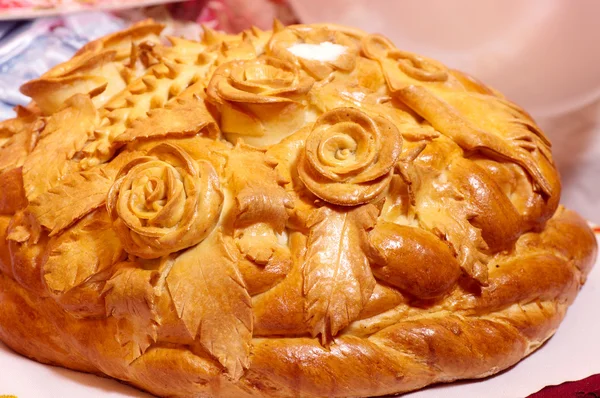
{"type": "Point", "coordinates": [233, 217]}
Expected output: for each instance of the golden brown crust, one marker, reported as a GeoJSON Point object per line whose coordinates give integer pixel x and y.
{"type": "Point", "coordinates": [427, 348]}
{"type": "Point", "coordinates": [13, 194]}
{"type": "Point", "coordinates": [305, 212]}
{"type": "Point", "coordinates": [399, 248]}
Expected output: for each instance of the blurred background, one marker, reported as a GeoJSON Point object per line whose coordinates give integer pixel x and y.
{"type": "Point", "coordinates": [542, 54]}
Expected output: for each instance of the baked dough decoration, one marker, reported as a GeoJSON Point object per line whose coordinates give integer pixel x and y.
{"type": "Point", "coordinates": [303, 212]}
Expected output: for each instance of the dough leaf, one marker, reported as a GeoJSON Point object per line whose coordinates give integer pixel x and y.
{"type": "Point", "coordinates": [337, 274]}
{"type": "Point", "coordinates": [211, 298]}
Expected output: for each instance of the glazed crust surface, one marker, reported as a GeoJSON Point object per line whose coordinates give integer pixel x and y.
{"type": "Point", "coordinates": [306, 212]}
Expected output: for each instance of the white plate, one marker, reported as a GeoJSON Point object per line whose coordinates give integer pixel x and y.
{"type": "Point", "coordinates": [572, 354]}
{"type": "Point", "coordinates": [113, 5]}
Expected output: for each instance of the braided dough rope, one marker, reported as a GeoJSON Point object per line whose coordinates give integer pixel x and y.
{"type": "Point", "coordinates": [230, 217]}
{"type": "Point", "coordinates": [468, 338]}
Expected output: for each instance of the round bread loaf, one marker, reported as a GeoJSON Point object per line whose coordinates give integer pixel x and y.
{"type": "Point", "coordinates": [306, 212]}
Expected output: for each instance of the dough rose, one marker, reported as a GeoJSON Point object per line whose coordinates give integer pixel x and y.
{"type": "Point", "coordinates": [260, 99]}
{"type": "Point", "coordinates": [164, 202]}
{"type": "Point", "coordinates": [402, 68]}
{"type": "Point", "coordinates": [349, 156]}
{"type": "Point", "coordinates": [338, 47]}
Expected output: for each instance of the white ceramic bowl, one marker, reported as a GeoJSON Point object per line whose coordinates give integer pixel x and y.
{"type": "Point", "coordinates": [543, 54]}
